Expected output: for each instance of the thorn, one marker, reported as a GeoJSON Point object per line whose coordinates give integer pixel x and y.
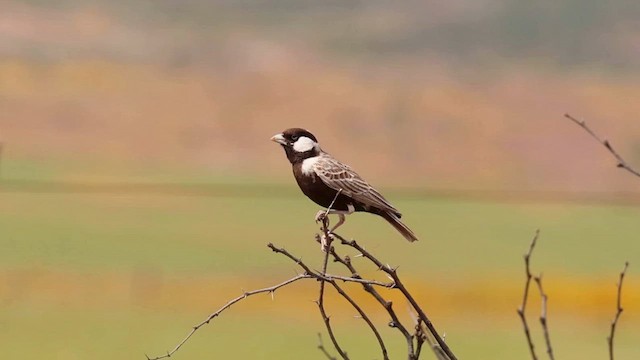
{"type": "Point", "coordinates": [272, 295]}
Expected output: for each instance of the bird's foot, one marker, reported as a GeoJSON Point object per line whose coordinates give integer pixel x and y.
{"type": "Point", "coordinates": [321, 215]}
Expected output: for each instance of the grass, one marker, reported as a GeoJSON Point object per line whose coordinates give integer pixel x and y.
{"type": "Point", "coordinates": [115, 275]}
{"type": "Point", "coordinates": [227, 234]}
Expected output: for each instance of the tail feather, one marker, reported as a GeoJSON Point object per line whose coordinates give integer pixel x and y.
{"type": "Point", "coordinates": [402, 228]}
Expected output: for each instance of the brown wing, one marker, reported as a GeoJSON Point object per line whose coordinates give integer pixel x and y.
{"type": "Point", "coordinates": [337, 175]}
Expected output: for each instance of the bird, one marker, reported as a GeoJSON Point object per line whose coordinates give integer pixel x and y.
{"type": "Point", "coordinates": [332, 184]}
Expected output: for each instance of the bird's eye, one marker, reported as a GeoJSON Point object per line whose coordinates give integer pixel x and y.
{"type": "Point", "coordinates": [295, 137]}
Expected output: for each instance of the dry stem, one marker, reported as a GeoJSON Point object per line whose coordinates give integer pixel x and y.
{"type": "Point", "coordinates": [525, 297]}
{"type": "Point", "coordinates": [270, 289]}
{"type": "Point", "coordinates": [420, 336]}
{"type": "Point", "coordinates": [543, 316]}
{"type": "Point", "coordinates": [619, 310]}
{"type": "Point", "coordinates": [400, 286]}
{"type": "Point", "coordinates": [621, 162]}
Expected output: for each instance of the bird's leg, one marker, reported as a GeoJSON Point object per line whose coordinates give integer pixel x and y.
{"type": "Point", "coordinates": [341, 219]}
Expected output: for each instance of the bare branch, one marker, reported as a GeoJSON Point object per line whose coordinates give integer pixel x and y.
{"type": "Point", "coordinates": [525, 297]}
{"type": "Point", "coordinates": [420, 337]}
{"type": "Point", "coordinates": [323, 349]}
{"type": "Point", "coordinates": [621, 162]}
{"type": "Point", "coordinates": [619, 310]}
{"type": "Point", "coordinates": [364, 317]}
{"type": "Point", "coordinates": [327, 277]}
{"type": "Point", "coordinates": [326, 249]}
{"type": "Point", "coordinates": [368, 288]}
{"type": "Point", "coordinates": [387, 305]}
{"type": "Point", "coordinates": [400, 286]}
{"type": "Point", "coordinates": [270, 289]}
{"type": "Point", "coordinates": [322, 277]}
{"type": "Point", "coordinates": [330, 277]}
{"type": "Point", "coordinates": [543, 317]}
{"type": "Point", "coordinates": [424, 330]}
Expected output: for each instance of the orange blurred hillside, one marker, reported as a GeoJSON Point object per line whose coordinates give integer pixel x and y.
{"type": "Point", "coordinates": [103, 89]}
{"type": "Point", "coordinates": [433, 129]}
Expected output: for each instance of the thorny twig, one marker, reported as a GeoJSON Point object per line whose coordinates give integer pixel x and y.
{"type": "Point", "coordinates": [326, 276]}
{"type": "Point", "coordinates": [619, 310]}
{"type": "Point", "coordinates": [327, 322]}
{"type": "Point", "coordinates": [392, 272]}
{"type": "Point", "coordinates": [323, 349]}
{"type": "Point", "coordinates": [422, 335]}
{"type": "Point", "coordinates": [544, 299]}
{"type": "Point", "coordinates": [525, 297]}
{"type": "Point", "coordinates": [621, 162]}
{"type": "Point", "coordinates": [246, 294]}
{"type": "Point", "coordinates": [441, 350]}
{"type": "Point", "coordinates": [543, 316]}
{"type": "Point", "coordinates": [331, 279]}
{"type": "Point", "coordinates": [364, 317]}
{"type": "Point", "coordinates": [308, 274]}
{"type": "Point", "coordinates": [368, 288]}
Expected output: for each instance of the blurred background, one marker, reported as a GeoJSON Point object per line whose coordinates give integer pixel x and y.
{"type": "Point", "coordinates": [138, 185]}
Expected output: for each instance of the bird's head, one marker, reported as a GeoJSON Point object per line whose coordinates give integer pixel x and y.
{"type": "Point", "coordinates": [298, 144]}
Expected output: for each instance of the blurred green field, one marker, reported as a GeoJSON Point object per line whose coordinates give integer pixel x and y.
{"type": "Point", "coordinates": [120, 274]}
{"type": "Point", "coordinates": [220, 234]}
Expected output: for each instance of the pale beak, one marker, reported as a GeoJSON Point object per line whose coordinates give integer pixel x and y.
{"type": "Point", "coordinates": [279, 138]}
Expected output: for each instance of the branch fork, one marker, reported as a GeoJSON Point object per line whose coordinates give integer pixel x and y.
{"type": "Point", "coordinates": [415, 335]}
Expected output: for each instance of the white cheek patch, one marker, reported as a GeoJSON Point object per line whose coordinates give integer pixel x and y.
{"type": "Point", "coordinates": [307, 165]}
{"type": "Point", "coordinates": [304, 144]}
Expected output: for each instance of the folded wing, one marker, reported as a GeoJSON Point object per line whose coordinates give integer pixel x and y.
{"type": "Point", "coordinates": [338, 176]}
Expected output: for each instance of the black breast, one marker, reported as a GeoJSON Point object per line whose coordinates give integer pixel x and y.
{"type": "Point", "coordinates": [316, 190]}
